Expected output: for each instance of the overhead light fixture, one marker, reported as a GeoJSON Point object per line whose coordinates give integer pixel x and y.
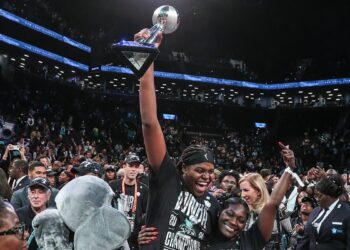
{"type": "Point", "coordinates": [300, 91]}
{"type": "Point", "coordinates": [26, 55]}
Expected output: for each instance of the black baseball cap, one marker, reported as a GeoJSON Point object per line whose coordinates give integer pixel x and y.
{"type": "Point", "coordinates": [42, 182]}
{"type": "Point", "coordinates": [87, 167]}
{"type": "Point", "coordinates": [132, 158]}
{"type": "Point", "coordinates": [110, 167]}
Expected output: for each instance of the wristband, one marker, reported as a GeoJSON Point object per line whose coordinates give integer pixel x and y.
{"type": "Point", "coordinates": [294, 176]}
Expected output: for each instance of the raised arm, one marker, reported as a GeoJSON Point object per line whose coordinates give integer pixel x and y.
{"type": "Point", "coordinates": [267, 214]}
{"type": "Point", "coordinates": [152, 133]}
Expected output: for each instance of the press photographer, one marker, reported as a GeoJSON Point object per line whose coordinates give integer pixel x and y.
{"type": "Point", "coordinates": [227, 186]}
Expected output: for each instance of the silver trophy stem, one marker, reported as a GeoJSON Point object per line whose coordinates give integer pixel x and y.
{"type": "Point", "coordinates": [154, 32]}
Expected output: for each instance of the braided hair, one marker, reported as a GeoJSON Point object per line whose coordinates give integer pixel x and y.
{"type": "Point", "coordinates": [189, 152]}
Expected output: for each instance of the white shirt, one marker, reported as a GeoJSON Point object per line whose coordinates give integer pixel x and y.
{"type": "Point", "coordinates": [330, 209]}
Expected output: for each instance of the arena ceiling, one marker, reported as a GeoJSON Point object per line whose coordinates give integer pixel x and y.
{"type": "Point", "coordinates": [258, 31]}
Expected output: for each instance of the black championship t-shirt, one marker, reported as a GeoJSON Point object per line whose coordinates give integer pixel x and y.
{"type": "Point", "coordinates": [252, 239]}
{"type": "Point", "coordinates": [125, 204]}
{"type": "Point", "coordinates": [182, 221]}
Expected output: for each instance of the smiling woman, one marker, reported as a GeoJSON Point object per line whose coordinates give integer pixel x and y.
{"type": "Point", "coordinates": [179, 205]}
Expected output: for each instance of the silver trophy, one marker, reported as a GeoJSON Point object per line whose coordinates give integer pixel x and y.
{"type": "Point", "coordinates": [139, 55]}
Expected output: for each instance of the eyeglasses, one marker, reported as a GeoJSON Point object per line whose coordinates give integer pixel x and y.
{"type": "Point", "coordinates": [18, 230]}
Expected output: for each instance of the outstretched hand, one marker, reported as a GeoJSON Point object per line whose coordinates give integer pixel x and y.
{"type": "Point", "coordinates": [288, 155]}
{"type": "Point", "coordinates": [145, 34]}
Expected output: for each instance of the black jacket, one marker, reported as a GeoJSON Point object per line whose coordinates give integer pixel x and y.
{"type": "Point", "coordinates": [334, 231]}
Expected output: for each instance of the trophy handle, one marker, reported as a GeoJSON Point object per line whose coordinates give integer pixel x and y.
{"type": "Point", "coordinates": [154, 32]}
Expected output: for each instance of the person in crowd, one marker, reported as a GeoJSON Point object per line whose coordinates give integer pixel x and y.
{"type": "Point", "coordinates": [51, 176]}
{"type": "Point", "coordinates": [328, 226]}
{"type": "Point", "coordinates": [120, 174]}
{"type": "Point", "coordinates": [331, 172]}
{"type": "Point", "coordinates": [302, 194]}
{"type": "Point", "coordinates": [5, 189]}
{"type": "Point", "coordinates": [39, 192]}
{"type": "Point", "coordinates": [142, 175]}
{"type": "Point", "coordinates": [231, 223]}
{"type": "Point", "coordinates": [228, 185]}
{"type": "Point", "coordinates": [255, 193]}
{"type": "Point", "coordinates": [19, 172]}
{"type": "Point", "coordinates": [64, 178]}
{"type": "Point", "coordinates": [298, 223]}
{"type": "Point", "coordinates": [20, 197]}
{"type": "Point", "coordinates": [44, 160]}
{"type": "Point", "coordinates": [88, 167]}
{"type": "Point", "coordinates": [179, 205]}
{"type": "Point", "coordinates": [13, 235]}
{"type": "Point", "coordinates": [110, 173]}
{"type": "Point", "coordinates": [132, 196]}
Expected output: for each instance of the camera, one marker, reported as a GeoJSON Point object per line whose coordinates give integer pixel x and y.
{"type": "Point", "coordinates": [229, 194]}
{"type": "Point", "coordinates": [15, 147]}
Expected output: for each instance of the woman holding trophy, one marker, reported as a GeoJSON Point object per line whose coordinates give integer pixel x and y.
{"type": "Point", "coordinates": [181, 213]}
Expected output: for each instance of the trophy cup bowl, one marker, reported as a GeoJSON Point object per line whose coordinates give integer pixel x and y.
{"type": "Point", "coordinates": [169, 15]}
{"type": "Point", "coordinates": [139, 55]}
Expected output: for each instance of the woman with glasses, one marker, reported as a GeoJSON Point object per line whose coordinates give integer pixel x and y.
{"type": "Point", "coordinates": [328, 226]}
{"type": "Point", "coordinates": [12, 234]}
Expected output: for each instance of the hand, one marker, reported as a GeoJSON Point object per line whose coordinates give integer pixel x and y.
{"type": "Point", "coordinates": [311, 174]}
{"type": "Point", "coordinates": [219, 192]}
{"type": "Point", "coordinates": [288, 155]}
{"type": "Point", "coordinates": [298, 228]}
{"type": "Point", "coordinates": [9, 147]}
{"type": "Point", "coordinates": [145, 34]}
{"type": "Point", "coordinates": [319, 173]}
{"type": "Point", "coordinates": [146, 235]}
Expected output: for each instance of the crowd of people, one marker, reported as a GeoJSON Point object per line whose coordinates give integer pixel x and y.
{"type": "Point", "coordinates": [175, 190]}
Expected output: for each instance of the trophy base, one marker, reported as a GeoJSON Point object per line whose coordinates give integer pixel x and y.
{"type": "Point", "coordinates": [137, 56]}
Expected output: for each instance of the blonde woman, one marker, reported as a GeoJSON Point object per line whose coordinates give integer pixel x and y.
{"type": "Point", "coordinates": [255, 194]}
